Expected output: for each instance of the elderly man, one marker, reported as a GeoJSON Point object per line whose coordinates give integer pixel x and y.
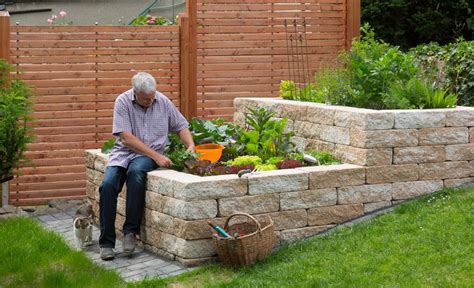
{"type": "Point", "coordinates": [142, 119]}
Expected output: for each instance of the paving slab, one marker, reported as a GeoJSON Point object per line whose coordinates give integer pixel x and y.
{"type": "Point", "coordinates": [142, 264]}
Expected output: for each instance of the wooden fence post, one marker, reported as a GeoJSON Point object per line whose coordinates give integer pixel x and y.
{"type": "Point", "coordinates": [5, 35]}
{"type": "Point", "coordinates": [4, 54]}
{"type": "Point", "coordinates": [184, 64]}
{"type": "Point", "coordinates": [191, 7]}
{"type": "Point", "coordinates": [352, 21]}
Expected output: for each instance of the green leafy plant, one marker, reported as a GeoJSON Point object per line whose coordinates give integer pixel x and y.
{"type": "Point", "coordinates": [451, 67]}
{"type": "Point", "coordinates": [418, 94]}
{"type": "Point", "coordinates": [266, 137]}
{"type": "Point", "coordinates": [16, 106]}
{"type": "Point", "coordinates": [107, 146]}
{"type": "Point", "coordinates": [176, 152]}
{"type": "Point", "coordinates": [245, 160]}
{"type": "Point", "coordinates": [151, 20]}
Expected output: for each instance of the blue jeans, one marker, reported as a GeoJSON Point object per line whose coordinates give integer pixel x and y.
{"type": "Point", "coordinates": [114, 178]}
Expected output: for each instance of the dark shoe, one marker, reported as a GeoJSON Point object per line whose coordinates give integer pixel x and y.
{"type": "Point", "coordinates": [106, 253]}
{"type": "Point", "coordinates": [129, 243]}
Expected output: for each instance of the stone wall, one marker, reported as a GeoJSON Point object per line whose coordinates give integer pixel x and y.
{"type": "Point", "coordinates": [395, 155]}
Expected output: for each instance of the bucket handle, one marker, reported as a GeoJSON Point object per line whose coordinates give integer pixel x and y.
{"type": "Point", "coordinates": [226, 225]}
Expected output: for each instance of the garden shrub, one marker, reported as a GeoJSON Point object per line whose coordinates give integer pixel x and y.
{"type": "Point", "coordinates": [376, 75]}
{"type": "Point", "coordinates": [451, 67]}
{"type": "Point", "coordinates": [408, 23]}
{"type": "Point", "coordinates": [15, 132]}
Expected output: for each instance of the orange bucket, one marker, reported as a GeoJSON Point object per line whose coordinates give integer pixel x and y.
{"type": "Point", "coordinates": [211, 152]}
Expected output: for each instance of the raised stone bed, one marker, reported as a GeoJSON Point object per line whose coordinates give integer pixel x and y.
{"type": "Point", "coordinates": [395, 155]}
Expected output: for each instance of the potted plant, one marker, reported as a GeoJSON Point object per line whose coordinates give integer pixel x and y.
{"type": "Point", "coordinates": [15, 107]}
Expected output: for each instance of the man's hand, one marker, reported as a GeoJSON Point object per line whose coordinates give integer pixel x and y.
{"type": "Point", "coordinates": [191, 149]}
{"type": "Point", "coordinates": [163, 161]}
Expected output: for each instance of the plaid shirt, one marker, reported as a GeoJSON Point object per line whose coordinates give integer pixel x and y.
{"type": "Point", "coordinates": [150, 125]}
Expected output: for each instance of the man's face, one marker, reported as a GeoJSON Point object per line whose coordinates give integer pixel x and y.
{"type": "Point", "coordinates": [145, 99]}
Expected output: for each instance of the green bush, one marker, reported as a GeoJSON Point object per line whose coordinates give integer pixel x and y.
{"type": "Point", "coordinates": [451, 67]}
{"type": "Point", "coordinates": [15, 108]}
{"type": "Point", "coordinates": [408, 23]}
{"type": "Point", "coordinates": [376, 75]}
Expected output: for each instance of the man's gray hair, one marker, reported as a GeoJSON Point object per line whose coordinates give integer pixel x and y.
{"type": "Point", "coordinates": [144, 82]}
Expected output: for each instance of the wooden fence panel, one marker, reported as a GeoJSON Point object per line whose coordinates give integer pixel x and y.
{"type": "Point", "coordinates": [77, 72]}
{"type": "Point", "coordinates": [242, 46]}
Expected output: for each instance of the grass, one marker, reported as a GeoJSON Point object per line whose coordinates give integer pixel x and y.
{"type": "Point", "coordinates": [33, 257]}
{"type": "Point", "coordinates": [424, 243]}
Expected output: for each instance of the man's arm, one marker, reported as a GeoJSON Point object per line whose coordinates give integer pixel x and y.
{"type": "Point", "coordinates": [187, 139]}
{"type": "Point", "coordinates": [136, 145]}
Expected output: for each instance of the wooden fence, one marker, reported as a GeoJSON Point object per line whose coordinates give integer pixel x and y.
{"type": "Point", "coordinates": [77, 73]}
{"type": "Point", "coordinates": [242, 46]}
{"type": "Point", "coordinates": [222, 49]}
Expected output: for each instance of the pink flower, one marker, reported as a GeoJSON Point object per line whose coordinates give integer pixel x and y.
{"type": "Point", "coordinates": [50, 21]}
{"type": "Point", "coordinates": [54, 17]}
{"type": "Point", "coordinates": [150, 21]}
{"type": "Point", "coordinates": [62, 13]}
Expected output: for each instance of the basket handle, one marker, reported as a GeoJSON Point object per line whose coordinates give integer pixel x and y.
{"type": "Point", "coordinates": [226, 225]}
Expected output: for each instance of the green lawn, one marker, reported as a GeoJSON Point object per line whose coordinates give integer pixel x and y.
{"type": "Point", "coordinates": [424, 243]}
{"type": "Point", "coordinates": [33, 257]}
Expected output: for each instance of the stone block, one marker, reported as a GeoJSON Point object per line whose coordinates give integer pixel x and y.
{"type": "Point", "coordinates": [364, 157]}
{"type": "Point", "coordinates": [308, 199]}
{"type": "Point", "coordinates": [419, 154]}
{"type": "Point", "coordinates": [277, 181]}
{"type": "Point", "coordinates": [313, 144]}
{"type": "Point", "coordinates": [471, 168]}
{"type": "Point", "coordinates": [334, 214]}
{"type": "Point", "coordinates": [92, 190]}
{"type": "Point", "coordinates": [320, 114]}
{"type": "Point", "coordinates": [445, 170]}
{"type": "Point", "coordinates": [334, 134]}
{"type": "Point", "coordinates": [121, 206]}
{"type": "Point", "coordinates": [463, 116]}
{"type": "Point", "coordinates": [178, 246]}
{"type": "Point", "coordinates": [374, 206]}
{"type": "Point", "coordinates": [188, 230]}
{"type": "Point", "coordinates": [300, 142]}
{"type": "Point", "coordinates": [306, 129]}
{"type": "Point", "coordinates": [390, 174]}
{"type": "Point", "coordinates": [289, 219]}
{"type": "Point", "coordinates": [239, 118]}
{"type": "Point", "coordinates": [334, 175]}
{"type": "Point", "coordinates": [249, 204]}
{"type": "Point", "coordinates": [409, 119]}
{"type": "Point", "coordinates": [155, 201]}
{"type": "Point", "coordinates": [290, 109]}
{"type": "Point", "coordinates": [471, 135]}
{"type": "Point", "coordinates": [160, 252]}
{"type": "Point", "coordinates": [90, 157]}
{"type": "Point", "coordinates": [364, 194]}
{"type": "Point", "coordinates": [457, 183]}
{"type": "Point", "coordinates": [241, 104]}
{"type": "Point", "coordinates": [383, 138]}
{"type": "Point", "coordinates": [408, 190]}
{"type": "Point", "coordinates": [165, 182]}
{"type": "Point", "coordinates": [193, 210]}
{"type": "Point", "coordinates": [100, 162]}
{"type": "Point", "coordinates": [460, 152]}
{"type": "Point", "coordinates": [443, 136]}
{"type": "Point", "coordinates": [196, 261]}
{"type": "Point", "coordinates": [364, 119]}
{"type": "Point", "coordinates": [292, 235]}
{"type": "Point", "coordinates": [213, 187]}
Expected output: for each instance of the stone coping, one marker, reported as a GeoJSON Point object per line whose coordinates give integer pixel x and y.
{"type": "Point", "coordinates": [366, 119]}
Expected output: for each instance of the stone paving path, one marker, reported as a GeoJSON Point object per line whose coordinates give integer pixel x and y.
{"type": "Point", "coordinates": [143, 264]}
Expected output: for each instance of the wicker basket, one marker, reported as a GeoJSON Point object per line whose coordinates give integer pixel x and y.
{"type": "Point", "coordinates": [255, 244]}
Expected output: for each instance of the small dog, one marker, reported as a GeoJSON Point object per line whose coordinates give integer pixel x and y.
{"type": "Point", "coordinates": [82, 225]}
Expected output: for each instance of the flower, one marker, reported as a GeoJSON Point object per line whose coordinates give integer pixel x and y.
{"type": "Point", "coordinates": [54, 17]}
{"type": "Point", "coordinates": [62, 13]}
{"type": "Point", "coordinates": [50, 21]}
